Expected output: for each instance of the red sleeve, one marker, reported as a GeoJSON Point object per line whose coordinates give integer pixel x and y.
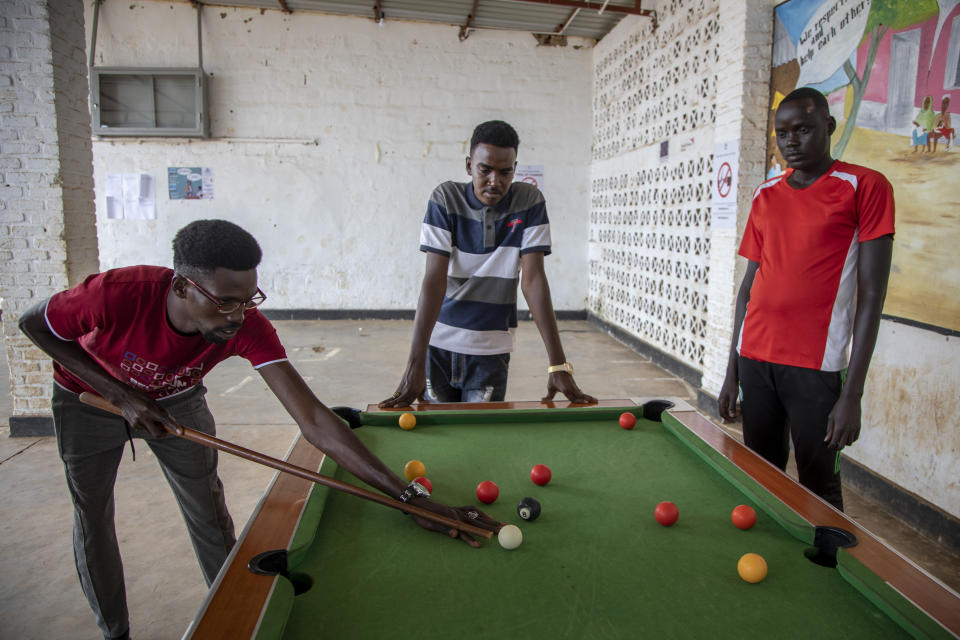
{"type": "Point", "coordinates": [76, 312]}
{"type": "Point", "coordinates": [752, 242]}
{"type": "Point", "coordinates": [260, 343]}
{"type": "Point", "coordinates": [875, 207]}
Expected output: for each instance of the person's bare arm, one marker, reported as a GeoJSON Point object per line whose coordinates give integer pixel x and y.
{"type": "Point", "coordinates": [536, 291]}
{"type": "Point", "coordinates": [324, 430]}
{"type": "Point", "coordinates": [139, 409]}
{"type": "Point", "coordinates": [413, 384]}
{"type": "Point", "coordinates": [873, 272]}
{"type": "Point", "coordinates": [728, 400]}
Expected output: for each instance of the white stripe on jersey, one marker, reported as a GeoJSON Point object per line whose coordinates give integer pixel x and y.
{"type": "Point", "coordinates": [742, 325]}
{"type": "Point", "coordinates": [502, 262]}
{"type": "Point", "coordinates": [470, 342]}
{"type": "Point", "coordinates": [47, 321]}
{"type": "Point", "coordinates": [835, 353]}
{"type": "Point", "coordinates": [768, 183]}
{"type": "Point", "coordinates": [849, 177]}
{"type": "Point", "coordinates": [538, 236]}
{"type": "Point", "coordinates": [272, 362]}
{"type": "Point", "coordinates": [435, 237]}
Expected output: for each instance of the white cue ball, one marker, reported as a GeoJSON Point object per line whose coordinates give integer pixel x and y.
{"type": "Point", "coordinates": [510, 536]}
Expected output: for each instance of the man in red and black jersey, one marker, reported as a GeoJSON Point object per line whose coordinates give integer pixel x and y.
{"type": "Point", "coordinates": [818, 245]}
{"type": "Point", "coordinates": [143, 337]}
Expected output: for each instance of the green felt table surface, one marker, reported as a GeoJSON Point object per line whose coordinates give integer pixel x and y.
{"type": "Point", "coordinates": [596, 564]}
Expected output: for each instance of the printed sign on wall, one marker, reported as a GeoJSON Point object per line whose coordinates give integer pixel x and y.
{"type": "Point", "coordinates": [529, 173]}
{"type": "Point", "coordinates": [190, 183]}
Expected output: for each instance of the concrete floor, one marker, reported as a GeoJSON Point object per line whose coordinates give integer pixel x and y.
{"type": "Point", "coordinates": [346, 362]}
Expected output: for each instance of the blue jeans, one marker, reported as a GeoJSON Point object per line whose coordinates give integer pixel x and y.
{"type": "Point", "coordinates": [458, 377]}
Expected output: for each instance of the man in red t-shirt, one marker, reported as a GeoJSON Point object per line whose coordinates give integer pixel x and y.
{"type": "Point", "coordinates": [818, 245]}
{"type": "Point", "coordinates": [143, 338]}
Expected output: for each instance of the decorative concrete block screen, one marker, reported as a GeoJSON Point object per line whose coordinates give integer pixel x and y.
{"type": "Point", "coordinates": [654, 109]}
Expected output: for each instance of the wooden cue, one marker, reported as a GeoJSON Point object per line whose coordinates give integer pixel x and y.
{"type": "Point", "coordinates": [282, 465]}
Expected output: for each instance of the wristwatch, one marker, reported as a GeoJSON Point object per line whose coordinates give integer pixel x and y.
{"type": "Point", "coordinates": [413, 490]}
{"type": "Point", "coordinates": [566, 366]}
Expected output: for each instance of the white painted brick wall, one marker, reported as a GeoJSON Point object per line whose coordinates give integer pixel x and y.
{"type": "Point", "coordinates": [742, 108]}
{"type": "Point", "coordinates": [330, 134]}
{"type": "Point", "coordinates": [654, 87]}
{"type": "Point", "coordinates": [47, 231]}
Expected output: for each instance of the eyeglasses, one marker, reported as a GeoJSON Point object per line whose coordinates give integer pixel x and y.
{"type": "Point", "coordinates": [230, 307]}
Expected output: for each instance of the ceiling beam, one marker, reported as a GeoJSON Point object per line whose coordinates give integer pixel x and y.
{"type": "Point", "coordinates": [465, 29]}
{"type": "Point", "coordinates": [566, 23]}
{"type": "Point", "coordinates": [596, 5]}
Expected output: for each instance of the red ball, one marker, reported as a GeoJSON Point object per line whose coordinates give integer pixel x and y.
{"type": "Point", "coordinates": [540, 474]}
{"type": "Point", "coordinates": [666, 513]}
{"type": "Point", "coordinates": [425, 482]}
{"type": "Point", "coordinates": [743, 517]}
{"type": "Point", "coordinates": [487, 492]}
{"type": "Point", "coordinates": [627, 420]}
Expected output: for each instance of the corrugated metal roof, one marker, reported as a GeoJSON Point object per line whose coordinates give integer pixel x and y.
{"type": "Point", "coordinates": [514, 15]}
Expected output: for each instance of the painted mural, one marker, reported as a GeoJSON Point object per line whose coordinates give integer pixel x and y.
{"type": "Point", "coordinates": [891, 72]}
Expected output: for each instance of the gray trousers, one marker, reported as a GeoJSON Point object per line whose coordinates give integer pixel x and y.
{"type": "Point", "coordinates": [91, 443]}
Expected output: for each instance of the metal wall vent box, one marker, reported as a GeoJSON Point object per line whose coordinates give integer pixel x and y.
{"type": "Point", "coordinates": [137, 102]}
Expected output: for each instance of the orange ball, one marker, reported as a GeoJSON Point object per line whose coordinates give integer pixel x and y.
{"type": "Point", "coordinates": [752, 567]}
{"type": "Point", "coordinates": [414, 469]}
{"type": "Point", "coordinates": [407, 421]}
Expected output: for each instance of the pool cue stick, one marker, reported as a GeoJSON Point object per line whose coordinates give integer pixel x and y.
{"type": "Point", "coordinates": [281, 465]}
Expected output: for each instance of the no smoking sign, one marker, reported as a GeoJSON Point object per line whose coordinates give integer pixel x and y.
{"type": "Point", "coordinates": [723, 205]}
{"type": "Point", "coordinates": [724, 180]}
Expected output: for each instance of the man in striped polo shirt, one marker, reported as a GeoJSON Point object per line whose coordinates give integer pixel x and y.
{"type": "Point", "coordinates": [818, 245]}
{"type": "Point", "coordinates": [482, 237]}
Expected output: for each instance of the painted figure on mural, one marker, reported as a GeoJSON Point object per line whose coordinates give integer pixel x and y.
{"type": "Point", "coordinates": [942, 126]}
{"type": "Point", "coordinates": [918, 138]}
{"type": "Point", "coordinates": [926, 120]}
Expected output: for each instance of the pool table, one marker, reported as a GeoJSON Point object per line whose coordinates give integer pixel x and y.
{"type": "Point", "coordinates": [595, 564]}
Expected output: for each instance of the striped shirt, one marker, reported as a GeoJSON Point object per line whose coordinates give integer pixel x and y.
{"type": "Point", "coordinates": [484, 244]}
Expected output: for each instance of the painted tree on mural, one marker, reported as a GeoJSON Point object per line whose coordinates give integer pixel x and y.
{"type": "Point", "coordinates": [884, 15]}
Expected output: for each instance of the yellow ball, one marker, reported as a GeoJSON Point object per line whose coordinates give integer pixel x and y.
{"type": "Point", "coordinates": [414, 469]}
{"type": "Point", "coordinates": [752, 567]}
{"type": "Point", "coordinates": [408, 421]}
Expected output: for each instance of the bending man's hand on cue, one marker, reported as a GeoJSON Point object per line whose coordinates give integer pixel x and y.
{"type": "Point", "coordinates": [469, 515]}
{"type": "Point", "coordinates": [142, 412]}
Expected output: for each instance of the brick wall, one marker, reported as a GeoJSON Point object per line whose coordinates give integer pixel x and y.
{"type": "Point", "coordinates": [663, 99]}
{"type": "Point", "coordinates": [47, 231]}
{"type": "Point", "coordinates": [329, 134]}
{"type": "Point", "coordinates": [743, 98]}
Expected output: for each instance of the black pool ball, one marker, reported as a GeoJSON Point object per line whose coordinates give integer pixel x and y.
{"type": "Point", "coordinates": [528, 509]}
